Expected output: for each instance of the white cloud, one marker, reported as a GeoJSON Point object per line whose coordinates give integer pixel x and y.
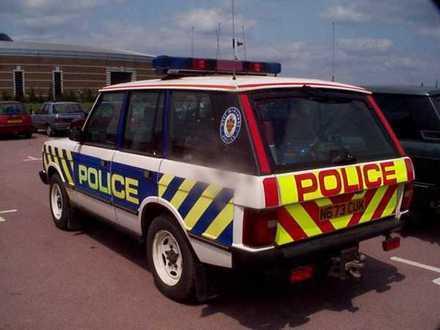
{"type": "Point", "coordinates": [207, 20]}
{"type": "Point", "coordinates": [365, 44]}
{"type": "Point", "coordinates": [341, 13]}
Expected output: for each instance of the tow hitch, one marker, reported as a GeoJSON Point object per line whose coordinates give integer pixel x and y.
{"type": "Point", "coordinates": [348, 264]}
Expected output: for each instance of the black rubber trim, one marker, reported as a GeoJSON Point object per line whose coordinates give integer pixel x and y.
{"type": "Point", "coordinates": [314, 248]}
{"type": "Point", "coordinates": [43, 177]}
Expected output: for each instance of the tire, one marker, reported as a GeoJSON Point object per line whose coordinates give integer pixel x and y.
{"type": "Point", "coordinates": [59, 202]}
{"type": "Point", "coordinates": [165, 241]}
{"type": "Point", "coordinates": [49, 131]}
{"type": "Point", "coordinates": [28, 135]}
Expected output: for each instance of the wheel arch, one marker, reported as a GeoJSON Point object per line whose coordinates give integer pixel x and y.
{"type": "Point", "coordinates": [151, 207]}
{"type": "Point", "coordinates": [53, 168]}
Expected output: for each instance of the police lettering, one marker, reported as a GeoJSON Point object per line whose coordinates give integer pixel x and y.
{"type": "Point", "coordinates": [115, 184]}
{"type": "Point", "coordinates": [334, 182]}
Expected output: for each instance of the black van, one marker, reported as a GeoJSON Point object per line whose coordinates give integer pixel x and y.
{"type": "Point", "coordinates": [414, 114]}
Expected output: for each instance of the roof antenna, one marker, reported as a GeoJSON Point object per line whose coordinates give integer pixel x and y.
{"type": "Point", "coordinates": [333, 50]}
{"type": "Point", "coordinates": [192, 41]}
{"type": "Point", "coordinates": [217, 54]}
{"type": "Point", "coordinates": [234, 41]}
{"type": "Point", "coordinates": [244, 42]}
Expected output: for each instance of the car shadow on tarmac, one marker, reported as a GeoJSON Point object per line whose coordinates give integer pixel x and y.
{"type": "Point", "coordinates": [267, 302]}
{"type": "Point", "coordinates": [427, 229]}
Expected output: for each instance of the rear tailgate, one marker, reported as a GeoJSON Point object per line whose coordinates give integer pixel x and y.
{"type": "Point", "coordinates": [319, 202]}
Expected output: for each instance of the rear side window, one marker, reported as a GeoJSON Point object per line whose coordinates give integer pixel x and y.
{"type": "Point", "coordinates": [409, 115]}
{"type": "Point", "coordinates": [196, 128]}
{"type": "Point", "coordinates": [143, 127]}
{"type": "Point", "coordinates": [317, 128]}
{"type": "Point", "coordinates": [102, 125]}
{"type": "Point", "coordinates": [67, 108]}
{"type": "Point", "coordinates": [12, 109]}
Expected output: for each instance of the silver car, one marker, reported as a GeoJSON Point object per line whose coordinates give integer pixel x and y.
{"type": "Point", "coordinates": [55, 117]}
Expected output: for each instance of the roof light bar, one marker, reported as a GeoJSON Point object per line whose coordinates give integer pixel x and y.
{"type": "Point", "coordinates": [181, 65]}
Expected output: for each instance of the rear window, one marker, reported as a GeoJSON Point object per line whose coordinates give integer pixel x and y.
{"type": "Point", "coordinates": [12, 109]}
{"type": "Point", "coordinates": [410, 115]}
{"type": "Point", "coordinates": [310, 128]}
{"type": "Point", "coordinates": [67, 108]}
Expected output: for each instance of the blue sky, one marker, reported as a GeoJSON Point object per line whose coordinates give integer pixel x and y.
{"type": "Point", "coordinates": [378, 41]}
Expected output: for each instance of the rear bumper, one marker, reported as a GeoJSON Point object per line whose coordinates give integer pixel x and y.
{"type": "Point", "coordinates": [16, 129]}
{"type": "Point", "coordinates": [309, 250]}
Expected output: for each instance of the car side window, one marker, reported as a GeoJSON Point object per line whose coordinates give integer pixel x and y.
{"type": "Point", "coordinates": [43, 110]}
{"type": "Point", "coordinates": [143, 127]}
{"type": "Point", "coordinates": [195, 126]}
{"type": "Point", "coordinates": [102, 126]}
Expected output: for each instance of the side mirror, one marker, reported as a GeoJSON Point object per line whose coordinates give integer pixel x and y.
{"type": "Point", "coordinates": [76, 133]}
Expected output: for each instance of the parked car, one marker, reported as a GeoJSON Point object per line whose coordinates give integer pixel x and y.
{"type": "Point", "coordinates": [14, 119]}
{"type": "Point", "coordinates": [414, 113]}
{"type": "Point", "coordinates": [55, 117]}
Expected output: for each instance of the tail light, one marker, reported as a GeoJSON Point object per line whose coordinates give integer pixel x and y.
{"type": "Point", "coordinates": [407, 196]}
{"type": "Point", "coordinates": [301, 274]}
{"type": "Point", "coordinates": [391, 243]}
{"type": "Point", "coordinates": [259, 227]}
{"type": "Point", "coordinates": [3, 119]}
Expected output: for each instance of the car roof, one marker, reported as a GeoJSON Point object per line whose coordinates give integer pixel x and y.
{"type": "Point", "coordinates": [406, 90]}
{"type": "Point", "coordinates": [10, 102]}
{"type": "Point", "coordinates": [226, 83]}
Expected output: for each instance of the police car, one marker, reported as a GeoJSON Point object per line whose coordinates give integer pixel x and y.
{"type": "Point", "coordinates": [222, 163]}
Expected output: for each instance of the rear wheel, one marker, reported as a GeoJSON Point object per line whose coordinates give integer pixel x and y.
{"type": "Point", "coordinates": [28, 135]}
{"type": "Point", "coordinates": [59, 203]}
{"type": "Point", "coordinates": [171, 259]}
{"type": "Point", "coordinates": [49, 131]}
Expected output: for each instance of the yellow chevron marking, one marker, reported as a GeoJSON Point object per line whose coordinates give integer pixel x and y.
{"type": "Point", "coordinates": [65, 167]}
{"type": "Point", "coordinates": [221, 221]}
{"type": "Point", "coordinates": [288, 193]}
{"type": "Point", "coordinates": [304, 220]}
{"type": "Point", "coordinates": [282, 236]}
{"type": "Point", "coordinates": [47, 152]}
{"type": "Point", "coordinates": [54, 156]}
{"type": "Point", "coordinates": [164, 182]}
{"type": "Point", "coordinates": [200, 206]}
{"type": "Point", "coordinates": [322, 202]}
{"type": "Point", "coordinates": [400, 167]}
{"type": "Point", "coordinates": [182, 192]}
{"type": "Point", "coordinates": [391, 206]}
{"type": "Point", "coordinates": [69, 155]}
{"type": "Point", "coordinates": [374, 203]}
{"type": "Point", "coordinates": [44, 161]}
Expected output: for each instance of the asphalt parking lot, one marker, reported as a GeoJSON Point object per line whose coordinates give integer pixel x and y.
{"type": "Point", "coordinates": [96, 278]}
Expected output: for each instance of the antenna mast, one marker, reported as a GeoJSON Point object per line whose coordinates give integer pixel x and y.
{"type": "Point", "coordinates": [233, 40]}
{"type": "Point", "coordinates": [244, 42]}
{"type": "Point", "coordinates": [192, 41]}
{"type": "Point", "coordinates": [333, 50]}
{"type": "Point", "coordinates": [217, 54]}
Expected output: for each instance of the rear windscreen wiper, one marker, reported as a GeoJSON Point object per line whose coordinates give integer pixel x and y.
{"type": "Point", "coordinates": [344, 157]}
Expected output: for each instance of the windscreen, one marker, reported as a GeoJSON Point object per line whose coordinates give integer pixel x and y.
{"type": "Point", "coordinates": [67, 108]}
{"type": "Point", "coordinates": [310, 128]}
{"type": "Point", "coordinates": [12, 109]}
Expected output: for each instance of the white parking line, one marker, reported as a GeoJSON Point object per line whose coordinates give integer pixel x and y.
{"type": "Point", "coordinates": [31, 159]}
{"type": "Point", "coordinates": [419, 265]}
{"type": "Point", "coordinates": [8, 211]}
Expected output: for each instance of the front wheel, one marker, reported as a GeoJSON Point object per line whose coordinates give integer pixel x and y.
{"type": "Point", "coordinates": [171, 260]}
{"type": "Point", "coordinates": [59, 203]}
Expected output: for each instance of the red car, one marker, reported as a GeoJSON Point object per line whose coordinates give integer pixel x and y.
{"type": "Point", "coordinates": [14, 119]}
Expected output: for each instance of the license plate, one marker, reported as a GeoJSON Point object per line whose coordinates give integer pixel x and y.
{"type": "Point", "coordinates": [339, 210]}
{"type": "Point", "coordinates": [15, 121]}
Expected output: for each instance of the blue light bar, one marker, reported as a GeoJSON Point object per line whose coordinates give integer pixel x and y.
{"type": "Point", "coordinates": [180, 65]}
